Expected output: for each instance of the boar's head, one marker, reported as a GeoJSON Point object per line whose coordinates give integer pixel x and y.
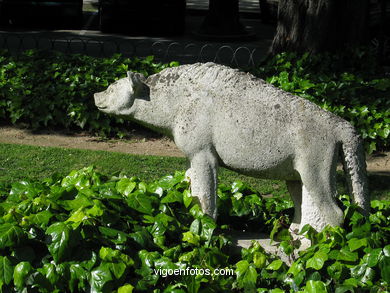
{"type": "Point", "coordinates": [119, 97]}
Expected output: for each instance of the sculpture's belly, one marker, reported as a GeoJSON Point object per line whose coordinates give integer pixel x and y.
{"type": "Point", "coordinates": [255, 144]}
{"type": "Point", "coordinates": [262, 164]}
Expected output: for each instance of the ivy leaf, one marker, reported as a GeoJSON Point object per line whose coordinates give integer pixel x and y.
{"type": "Point", "coordinates": [372, 258]}
{"type": "Point", "coordinates": [117, 269]}
{"type": "Point", "coordinates": [355, 243]}
{"type": "Point", "coordinates": [173, 196]}
{"type": "Point", "coordinates": [140, 202]}
{"type": "Point", "coordinates": [386, 250]}
{"type": "Point", "coordinates": [100, 277]}
{"type": "Point", "coordinates": [78, 277]}
{"type": "Point", "coordinates": [317, 261]}
{"type": "Point", "coordinates": [6, 270]}
{"type": "Point", "coordinates": [259, 259]}
{"type": "Point", "coordinates": [275, 265]}
{"type": "Point", "coordinates": [41, 219]}
{"type": "Point", "coordinates": [208, 226]}
{"type": "Point", "coordinates": [126, 289]}
{"type": "Point", "coordinates": [49, 270]}
{"type": "Point", "coordinates": [125, 186]}
{"type": "Point", "coordinates": [246, 275]}
{"type": "Point", "coordinates": [21, 272]}
{"type": "Point", "coordinates": [10, 235]}
{"type": "Point", "coordinates": [143, 238]}
{"type": "Point", "coordinates": [60, 245]}
{"type": "Point", "coordinates": [335, 270]}
{"type": "Point", "coordinates": [384, 266]}
{"type": "Point", "coordinates": [343, 254]}
{"type": "Point", "coordinates": [191, 238]}
{"type": "Point", "coordinates": [187, 198]}
{"type": "Point", "coordinates": [315, 287]}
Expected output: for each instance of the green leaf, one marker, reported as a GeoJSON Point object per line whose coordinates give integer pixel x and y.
{"type": "Point", "coordinates": [208, 226]}
{"type": "Point", "coordinates": [60, 245]}
{"type": "Point", "coordinates": [100, 277]}
{"type": "Point", "coordinates": [191, 238]}
{"type": "Point", "coordinates": [10, 235]}
{"type": "Point", "coordinates": [6, 270]}
{"type": "Point", "coordinates": [118, 269]}
{"type": "Point", "coordinates": [21, 272]}
{"type": "Point", "coordinates": [41, 219]}
{"type": "Point", "coordinates": [97, 210]}
{"type": "Point", "coordinates": [343, 255]}
{"type": "Point", "coordinates": [125, 186]}
{"type": "Point", "coordinates": [119, 236]}
{"type": "Point", "coordinates": [187, 198]}
{"type": "Point", "coordinates": [362, 273]}
{"type": "Point", "coordinates": [142, 237]}
{"type": "Point", "coordinates": [317, 261]}
{"type": "Point", "coordinates": [372, 258]}
{"type": "Point", "coordinates": [384, 266]}
{"type": "Point", "coordinates": [196, 211]}
{"type": "Point", "coordinates": [335, 270]}
{"type": "Point", "coordinates": [112, 255]}
{"type": "Point", "coordinates": [126, 289]}
{"type": "Point", "coordinates": [386, 250]}
{"type": "Point", "coordinates": [315, 287]}
{"type": "Point", "coordinates": [77, 217]}
{"type": "Point", "coordinates": [355, 243]}
{"type": "Point", "coordinates": [275, 265]}
{"type": "Point", "coordinates": [352, 282]}
{"type": "Point", "coordinates": [259, 259]}
{"type": "Point", "coordinates": [140, 202]}
{"type": "Point", "coordinates": [164, 263]}
{"type": "Point", "coordinates": [287, 247]}
{"type": "Point", "coordinates": [246, 275]}
{"type": "Point", "coordinates": [173, 196]}
{"type": "Point", "coordinates": [78, 277]}
{"type": "Point", "coordinates": [50, 272]}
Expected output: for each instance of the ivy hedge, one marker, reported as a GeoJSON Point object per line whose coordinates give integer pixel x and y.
{"type": "Point", "coordinates": [42, 89]}
{"type": "Point", "coordinates": [86, 232]}
{"type": "Point", "coordinates": [48, 89]}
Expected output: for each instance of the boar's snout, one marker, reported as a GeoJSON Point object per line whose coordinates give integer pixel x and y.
{"type": "Point", "coordinates": [100, 101]}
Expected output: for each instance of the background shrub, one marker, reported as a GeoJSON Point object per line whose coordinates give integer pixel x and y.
{"type": "Point", "coordinates": [48, 89]}
{"type": "Point", "coordinates": [51, 89]}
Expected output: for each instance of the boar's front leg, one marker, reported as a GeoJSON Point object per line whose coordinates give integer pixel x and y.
{"type": "Point", "coordinates": [203, 176]}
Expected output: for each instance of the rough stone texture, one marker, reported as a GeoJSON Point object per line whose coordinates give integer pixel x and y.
{"type": "Point", "coordinates": [220, 116]}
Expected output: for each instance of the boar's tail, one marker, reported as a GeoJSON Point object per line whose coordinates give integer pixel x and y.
{"type": "Point", "coordinates": [355, 167]}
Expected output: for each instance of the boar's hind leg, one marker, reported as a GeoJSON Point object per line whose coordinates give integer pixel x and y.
{"type": "Point", "coordinates": [203, 176]}
{"type": "Point", "coordinates": [317, 172]}
{"type": "Point", "coordinates": [295, 190]}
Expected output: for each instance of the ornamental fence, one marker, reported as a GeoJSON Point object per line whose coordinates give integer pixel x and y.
{"type": "Point", "coordinates": [243, 56]}
{"type": "Point", "coordinates": [240, 56]}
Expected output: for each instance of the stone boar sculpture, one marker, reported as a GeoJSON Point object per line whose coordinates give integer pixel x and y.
{"type": "Point", "coordinates": [220, 116]}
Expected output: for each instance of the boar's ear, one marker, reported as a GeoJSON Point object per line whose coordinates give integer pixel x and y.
{"type": "Point", "coordinates": [137, 80]}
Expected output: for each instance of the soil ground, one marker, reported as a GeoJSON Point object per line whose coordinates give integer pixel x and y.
{"type": "Point", "coordinates": [142, 144]}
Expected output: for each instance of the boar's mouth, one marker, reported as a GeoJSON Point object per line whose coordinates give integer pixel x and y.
{"type": "Point", "coordinates": [98, 102]}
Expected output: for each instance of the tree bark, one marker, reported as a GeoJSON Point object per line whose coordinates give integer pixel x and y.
{"type": "Point", "coordinates": [319, 25]}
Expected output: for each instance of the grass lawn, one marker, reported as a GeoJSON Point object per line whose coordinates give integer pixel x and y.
{"type": "Point", "coordinates": [18, 162]}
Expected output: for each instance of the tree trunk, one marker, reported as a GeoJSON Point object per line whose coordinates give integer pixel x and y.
{"type": "Point", "coordinates": [319, 25]}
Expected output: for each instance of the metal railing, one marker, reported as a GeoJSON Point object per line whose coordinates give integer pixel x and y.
{"type": "Point", "coordinates": [163, 51]}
